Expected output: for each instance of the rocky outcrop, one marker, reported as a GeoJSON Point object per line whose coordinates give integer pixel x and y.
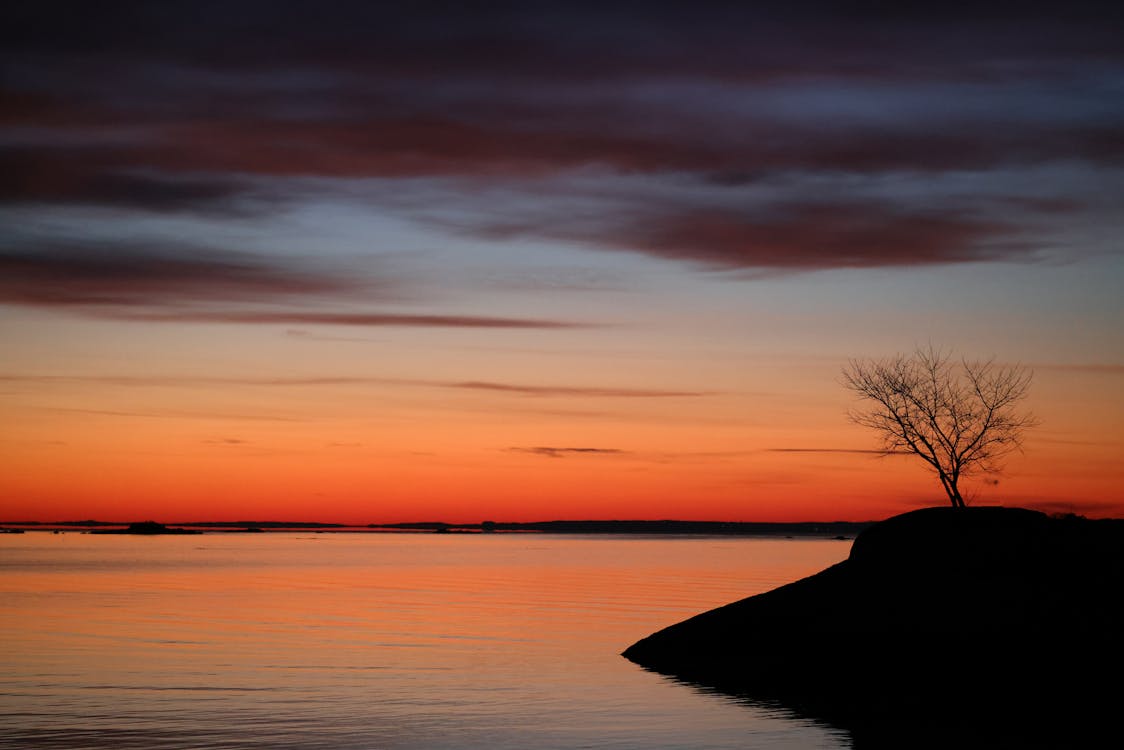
{"type": "Point", "coordinates": [953, 617]}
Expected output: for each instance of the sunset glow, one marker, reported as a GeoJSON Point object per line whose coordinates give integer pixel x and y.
{"type": "Point", "coordinates": [349, 264]}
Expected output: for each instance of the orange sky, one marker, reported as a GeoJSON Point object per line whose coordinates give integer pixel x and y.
{"type": "Point", "coordinates": [635, 440]}
{"type": "Point", "coordinates": [383, 266]}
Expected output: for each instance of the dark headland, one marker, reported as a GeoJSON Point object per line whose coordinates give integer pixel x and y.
{"type": "Point", "coordinates": [997, 627]}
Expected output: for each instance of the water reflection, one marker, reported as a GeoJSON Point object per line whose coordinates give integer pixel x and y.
{"type": "Point", "coordinates": [357, 641]}
{"type": "Point", "coordinates": [947, 725]}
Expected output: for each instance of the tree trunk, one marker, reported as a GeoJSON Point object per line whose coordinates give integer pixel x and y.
{"type": "Point", "coordinates": [954, 493]}
{"type": "Point", "coordinates": [950, 488]}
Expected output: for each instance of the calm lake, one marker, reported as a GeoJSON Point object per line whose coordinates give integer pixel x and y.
{"type": "Point", "coordinates": [363, 640]}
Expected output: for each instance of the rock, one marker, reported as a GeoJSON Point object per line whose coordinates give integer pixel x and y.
{"type": "Point", "coordinates": [949, 617]}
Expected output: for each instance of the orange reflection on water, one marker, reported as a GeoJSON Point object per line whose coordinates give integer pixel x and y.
{"type": "Point", "coordinates": [353, 630]}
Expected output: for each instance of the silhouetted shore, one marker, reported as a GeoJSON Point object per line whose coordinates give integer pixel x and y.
{"type": "Point", "coordinates": [981, 624]}
{"type": "Point", "coordinates": [146, 528]}
{"type": "Point", "coordinates": [709, 528]}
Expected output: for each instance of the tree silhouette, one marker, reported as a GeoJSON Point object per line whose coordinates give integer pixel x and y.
{"type": "Point", "coordinates": [960, 417]}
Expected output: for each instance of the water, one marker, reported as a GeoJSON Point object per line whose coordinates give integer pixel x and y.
{"type": "Point", "coordinates": [353, 640]}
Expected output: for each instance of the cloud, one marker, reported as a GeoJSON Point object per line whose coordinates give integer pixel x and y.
{"type": "Point", "coordinates": [132, 381]}
{"type": "Point", "coordinates": [787, 236]}
{"type": "Point", "coordinates": [303, 335]}
{"type": "Point", "coordinates": [116, 178]}
{"type": "Point", "coordinates": [575, 391]}
{"type": "Point", "coordinates": [128, 274]}
{"type": "Point", "coordinates": [836, 450]}
{"type": "Point", "coordinates": [1091, 368]}
{"type": "Point", "coordinates": [552, 452]}
{"type": "Point", "coordinates": [181, 110]}
{"type": "Point", "coordinates": [165, 414]}
{"type": "Point", "coordinates": [176, 282]}
{"type": "Point", "coordinates": [361, 319]}
{"type": "Point", "coordinates": [814, 236]}
{"type": "Point", "coordinates": [512, 40]}
{"type": "Point", "coordinates": [200, 161]}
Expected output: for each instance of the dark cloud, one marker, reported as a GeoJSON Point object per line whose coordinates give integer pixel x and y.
{"type": "Point", "coordinates": [175, 282]}
{"type": "Point", "coordinates": [570, 38]}
{"type": "Point", "coordinates": [112, 178]}
{"type": "Point", "coordinates": [845, 234]}
{"type": "Point", "coordinates": [552, 452]}
{"type": "Point", "coordinates": [186, 163]}
{"type": "Point", "coordinates": [361, 319]}
{"type": "Point", "coordinates": [183, 283]}
{"type": "Point", "coordinates": [210, 107]}
{"type": "Point", "coordinates": [132, 274]}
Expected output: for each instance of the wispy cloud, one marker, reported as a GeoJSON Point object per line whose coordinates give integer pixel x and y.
{"type": "Point", "coordinates": [579, 391]}
{"type": "Point", "coordinates": [1090, 368]}
{"type": "Point", "coordinates": [360, 319]}
{"type": "Point", "coordinates": [135, 381]}
{"type": "Point", "coordinates": [129, 274]}
{"type": "Point", "coordinates": [860, 451]}
{"type": "Point", "coordinates": [173, 414]}
{"type": "Point", "coordinates": [555, 452]}
{"type": "Point", "coordinates": [515, 389]}
{"type": "Point", "coordinates": [305, 335]}
{"type": "Point", "coordinates": [176, 282]}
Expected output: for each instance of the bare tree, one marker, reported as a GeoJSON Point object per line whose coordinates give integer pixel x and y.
{"type": "Point", "coordinates": [960, 417]}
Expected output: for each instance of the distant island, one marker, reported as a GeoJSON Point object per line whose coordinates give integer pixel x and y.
{"type": "Point", "coordinates": [844, 529]}
{"type": "Point", "coordinates": [146, 528]}
{"type": "Point", "coordinates": [809, 529]}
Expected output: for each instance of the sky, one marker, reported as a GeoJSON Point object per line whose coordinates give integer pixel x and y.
{"type": "Point", "coordinates": [375, 262]}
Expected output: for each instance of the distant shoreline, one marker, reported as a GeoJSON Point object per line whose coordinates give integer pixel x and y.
{"type": "Point", "coordinates": [831, 529]}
